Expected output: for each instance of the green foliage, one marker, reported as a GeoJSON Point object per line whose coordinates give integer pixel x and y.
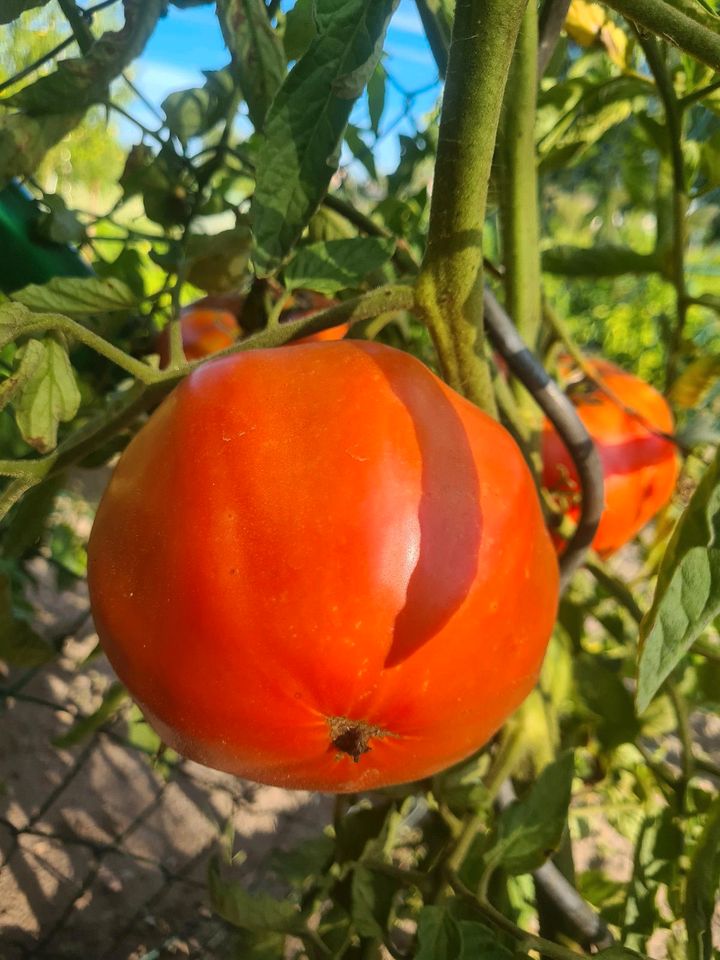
{"type": "Point", "coordinates": [306, 123]}
{"type": "Point", "coordinates": [687, 595]}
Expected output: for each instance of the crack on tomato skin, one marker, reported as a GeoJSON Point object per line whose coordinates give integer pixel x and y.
{"type": "Point", "coordinates": [352, 737]}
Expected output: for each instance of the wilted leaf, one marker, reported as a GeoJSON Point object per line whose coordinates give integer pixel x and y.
{"type": "Point", "coordinates": [531, 829]}
{"type": "Point", "coordinates": [256, 912]}
{"type": "Point", "coordinates": [336, 264]}
{"type": "Point", "coordinates": [11, 9]}
{"type": "Point", "coordinates": [113, 699]}
{"type": "Point", "coordinates": [258, 55]}
{"type": "Point", "coordinates": [77, 295]}
{"type": "Point", "coordinates": [48, 398]}
{"type": "Point", "coordinates": [687, 594]}
{"type": "Point", "coordinates": [305, 126]}
{"type": "Point", "coordinates": [702, 886]}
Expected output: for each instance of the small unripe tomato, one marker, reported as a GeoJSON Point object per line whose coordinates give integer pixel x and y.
{"type": "Point", "coordinates": [205, 330]}
{"type": "Point", "coordinates": [319, 567]}
{"type": "Point", "coordinates": [640, 467]}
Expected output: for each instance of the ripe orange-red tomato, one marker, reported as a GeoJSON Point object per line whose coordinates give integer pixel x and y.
{"type": "Point", "coordinates": [640, 468]}
{"type": "Point", "coordinates": [205, 330]}
{"type": "Point", "coordinates": [319, 567]}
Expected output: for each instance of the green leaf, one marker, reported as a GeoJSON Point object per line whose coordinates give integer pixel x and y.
{"type": "Point", "coordinates": [481, 943]}
{"type": "Point", "coordinates": [67, 550]}
{"type": "Point", "coordinates": [372, 898]}
{"type": "Point", "coordinates": [308, 859]}
{"type": "Point", "coordinates": [336, 264]}
{"type": "Point", "coordinates": [11, 9]}
{"type": "Point", "coordinates": [14, 318]}
{"type": "Point", "coordinates": [77, 295]}
{"type": "Point", "coordinates": [219, 263]}
{"type": "Point", "coordinates": [300, 29]}
{"type": "Point", "coordinates": [305, 126]}
{"type": "Point", "coordinates": [192, 113]}
{"type": "Point", "coordinates": [439, 936]}
{"type": "Point", "coordinates": [19, 644]}
{"type": "Point", "coordinates": [113, 700]}
{"type": "Point", "coordinates": [360, 150]}
{"type": "Point", "coordinates": [79, 82]}
{"type": "Point", "coordinates": [258, 55]}
{"type": "Point", "coordinates": [531, 829]}
{"type": "Point", "coordinates": [687, 593]}
{"type": "Point", "coordinates": [602, 260]}
{"type": "Point", "coordinates": [702, 885]}
{"type": "Point", "coordinates": [603, 692]}
{"type": "Point", "coordinates": [376, 97]}
{"type": "Point", "coordinates": [358, 828]}
{"type": "Point", "coordinates": [256, 912]}
{"type": "Point", "coordinates": [27, 523]}
{"type": "Point", "coordinates": [49, 397]}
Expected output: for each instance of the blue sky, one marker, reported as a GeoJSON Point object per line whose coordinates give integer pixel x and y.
{"type": "Point", "coordinates": [188, 41]}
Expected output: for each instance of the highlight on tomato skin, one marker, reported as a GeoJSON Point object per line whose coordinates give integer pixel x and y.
{"type": "Point", "coordinates": [348, 605]}
{"type": "Point", "coordinates": [640, 466]}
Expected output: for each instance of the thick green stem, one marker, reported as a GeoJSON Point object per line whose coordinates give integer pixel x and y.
{"type": "Point", "coordinates": [679, 205]}
{"type": "Point", "coordinates": [76, 331]}
{"type": "Point", "coordinates": [450, 286]}
{"type": "Point", "coordinates": [665, 19]}
{"type": "Point", "coordinates": [519, 218]}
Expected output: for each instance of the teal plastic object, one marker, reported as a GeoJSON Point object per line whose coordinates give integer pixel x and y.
{"type": "Point", "coordinates": [24, 257]}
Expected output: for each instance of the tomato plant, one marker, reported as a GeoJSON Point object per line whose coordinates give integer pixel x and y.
{"type": "Point", "coordinates": [383, 478]}
{"type": "Point", "coordinates": [631, 425]}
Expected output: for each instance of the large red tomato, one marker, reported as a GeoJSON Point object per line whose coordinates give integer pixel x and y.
{"type": "Point", "coordinates": [319, 567]}
{"type": "Point", "coordinates": [639, 467]}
